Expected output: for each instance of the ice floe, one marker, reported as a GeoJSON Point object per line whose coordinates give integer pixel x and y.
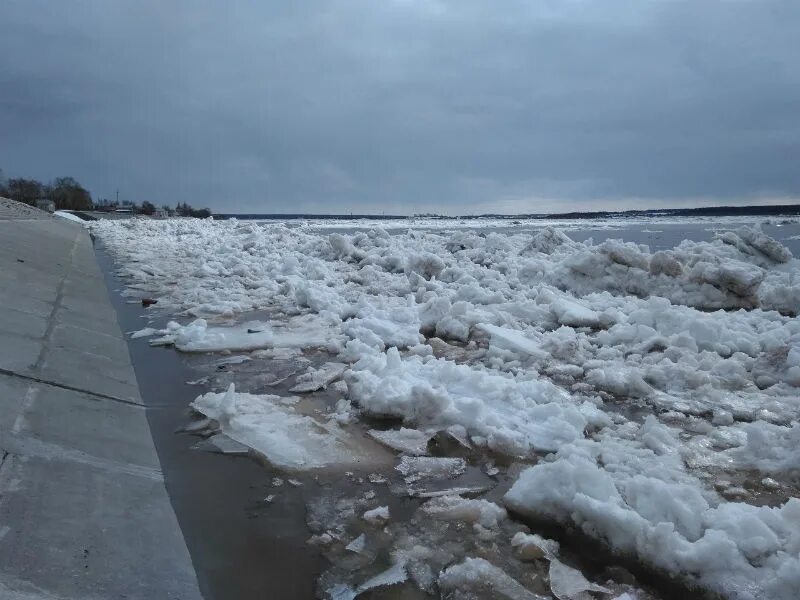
{"type": "Point", "coordinates": [636, 495]}
{"type": "Point", "coordinates": [283, 436]}
{"type": "Point", "coordinates": [409, 441]}
{"type": "Point", "coordinates": [477, 578]}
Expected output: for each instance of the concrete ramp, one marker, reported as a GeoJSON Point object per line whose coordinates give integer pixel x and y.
{"type": "Point", "coordinates": [84, 513]}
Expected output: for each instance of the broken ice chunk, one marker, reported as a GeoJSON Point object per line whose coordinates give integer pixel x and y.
{"type": "Point", "coordinates": [480, 577]}
{"type": "Point", "coordinates": [146, 332]}
{"type": "Point", "coordinates": [568, 312]}
{"type": "Point", "coordinates": [735, 276]}
{"type": "Point", "coordinates": [409, 441]}
{"type": "Point", "coordinates": [232, 360]}
{"type": "Point", "coordinates": [567, 583]}
{"type": "Point", "coordinates": [415, 468]}
{"type": "Point", "coordinates": [768, 246]}
{"type": "Point", "coordinates": [376, 478]}
{"type": "Point", "coordinates": [222, 444]}
{"type": "Point", "coordinates": [473, 490]}
{"type": "Point", "coordinates": [487, 514]}
{"type": "Point", "coordinates": [357, 545]}
{"type": "Point", "coordinates": [323, 539]}
{"type": "Point", "coordinates": [197, 336]}
{"type": "Point", "coordinates": [288, 439]}
{"type": "Point", "coordinates": [377, 515]}
{"type": "Point", "coordinates": [226, 445]}
{"type": "Point", "coordinates": [391, 576]}
{"type": "Point", "coordinates": [196, 426]}
{"type": "Point", "coordinates": [343, 412]}
{"type": "Point", "coordinates": [280, 354]}
{"type": "Point", "coordinates": [514, 341]}
{"type": "Point", "coordinates": [452, 442]}
{"type": "Point", "coordinates": [341, 591]}
{"type": "Point", "coordinates": [533, 546]}
{"type": "Point", "coordinates": [315, 379]}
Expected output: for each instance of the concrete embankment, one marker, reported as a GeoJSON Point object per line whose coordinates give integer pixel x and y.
{"type": "Point", "coordinates": [84, 513]}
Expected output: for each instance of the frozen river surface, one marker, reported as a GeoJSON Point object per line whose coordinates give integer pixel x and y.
{"type": "Point", "coordinates": [564, 410]}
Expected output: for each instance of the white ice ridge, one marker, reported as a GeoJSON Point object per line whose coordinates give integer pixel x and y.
{"type": "Point", "coordinates": [629, 488]}
{"type": "Point", "coordinates": [512, 415]}
{"type": "Point", "coordinates": [546, 346]}
{"type": "Point", "coordinates": [208, 268]}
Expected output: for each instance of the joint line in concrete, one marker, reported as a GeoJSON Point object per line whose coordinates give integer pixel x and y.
{"type": "Point", "coordinates": [51, 321]}
{"type": "Point", "coordinates": [71, 388]}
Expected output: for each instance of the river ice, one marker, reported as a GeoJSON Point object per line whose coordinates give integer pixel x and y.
{"type": "Point", "coordinates": [648, 398]}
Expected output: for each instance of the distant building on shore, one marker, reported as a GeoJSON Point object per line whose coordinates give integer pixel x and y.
{"type": "Point", "coordinates": [45, 204]}
{"type": "Point", "coordinates": [160, 213]}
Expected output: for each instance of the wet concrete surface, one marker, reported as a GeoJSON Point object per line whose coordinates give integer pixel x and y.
{"type": "Point", "coordinates": [84, 513]}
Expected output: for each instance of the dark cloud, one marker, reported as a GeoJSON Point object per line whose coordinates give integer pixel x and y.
{"type": "Point", "coordinates": [406, 105]}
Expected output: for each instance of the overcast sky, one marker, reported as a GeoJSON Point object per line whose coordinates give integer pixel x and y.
{"type": "Point", "coordinates": [405, 106]}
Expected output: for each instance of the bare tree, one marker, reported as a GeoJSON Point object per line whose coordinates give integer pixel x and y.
{"type": "Point", "coordinates": [24, 190]}
{"type": "Point", "coordinates": [68, 194]}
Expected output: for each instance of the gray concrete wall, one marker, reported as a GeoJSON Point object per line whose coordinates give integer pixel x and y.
{"type": "Point", "coordinates": [84, 513]}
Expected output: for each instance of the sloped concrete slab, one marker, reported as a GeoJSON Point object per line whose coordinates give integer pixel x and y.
{"type": "Point", "coordinates": [84, 513]}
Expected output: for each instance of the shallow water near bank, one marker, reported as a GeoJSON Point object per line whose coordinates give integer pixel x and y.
{"type": "Point", "coordinates": [240, 546]}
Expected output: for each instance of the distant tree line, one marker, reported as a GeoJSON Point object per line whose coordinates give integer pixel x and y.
{"type": "Point", "coordinates": [67, 194]}
{"type": "Point", "coordinates": [182, 209]}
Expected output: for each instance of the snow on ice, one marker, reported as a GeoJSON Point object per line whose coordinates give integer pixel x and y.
{"type": "Point", "coordinates": [632, 383]}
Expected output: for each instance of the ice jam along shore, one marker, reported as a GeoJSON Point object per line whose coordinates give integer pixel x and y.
{"type": "Point", "coordinates": [648, 393]}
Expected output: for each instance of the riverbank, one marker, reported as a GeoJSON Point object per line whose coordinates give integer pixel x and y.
{"type": "Point", "coordinates": [84, 512]}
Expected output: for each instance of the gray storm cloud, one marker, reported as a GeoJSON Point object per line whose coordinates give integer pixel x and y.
{"type": "Point", "coordinates": [405, 106]}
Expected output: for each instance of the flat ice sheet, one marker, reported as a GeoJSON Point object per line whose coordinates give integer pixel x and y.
{"type": "Point", "coordinates": [287, 439]}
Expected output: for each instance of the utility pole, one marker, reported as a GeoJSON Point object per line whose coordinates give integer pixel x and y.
{"type": "Point", "coordinates": [117, 196]}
